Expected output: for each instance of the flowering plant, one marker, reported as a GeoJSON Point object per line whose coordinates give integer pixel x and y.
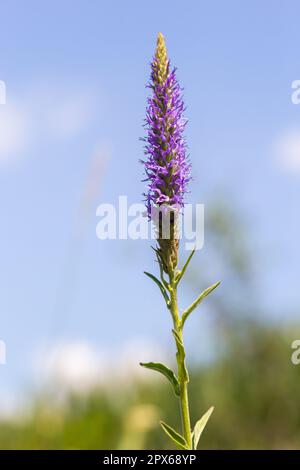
{"type": "Point", "coordinates": [167, 171]}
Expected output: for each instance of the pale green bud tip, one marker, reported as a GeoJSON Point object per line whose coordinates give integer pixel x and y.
{"type": "Point", "coordinates": [161, 44]}
{"type": "Point", "coordinates": [161, 57]}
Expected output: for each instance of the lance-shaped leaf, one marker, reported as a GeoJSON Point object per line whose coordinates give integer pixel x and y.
{"type": "Point", "coordinates": [195, 304]}
{"type": "Point", "coordinates": [164, 370]}
{"type": "Point", "coordinates": [199, 427]}
{"type": "Point", "coordinates": [183, 375]}
{"type": "Point", "coordinates": [161, 269]}
{"type": "Point", "coordinates": [181, 273]}
{"type": "Point", "coordinates": [161, 287]}
{"type": "Point", "coordinates": [177, 438]}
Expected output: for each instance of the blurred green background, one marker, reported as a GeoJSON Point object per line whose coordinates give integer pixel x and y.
{"type": "Point", "coordinates": [253, 386]}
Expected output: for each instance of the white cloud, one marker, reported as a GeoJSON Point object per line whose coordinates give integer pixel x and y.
{"type": "Point", "coordinates": [10, 405]}
{"type": "Point", "coordinates": [79, 367]}
{"type": "Point", "coordinates": [287, 150]}
{"type": "Point", "coordinates": [74, 366]}
{"type": "Point", "coordinates": [14, 131]}
{"type": "Point", "coordinates": [42, 114]}
{"type": "Point", "coordinates": [136, 351]}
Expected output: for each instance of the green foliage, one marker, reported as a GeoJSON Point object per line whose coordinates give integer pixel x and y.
{"type": "Point", "coordinates": [160, 285]}
{"type": "Point", "coordinates": [174, 436]}
{"type": "Point", "coordinates": [164, 370]}
{"type": "Point", "coordinates": [197, 302]}
{"type": "Point", "coordinates": [180, 274]}
{"type": "Point", "coordinates": [199, 427]}
{"type": "Point", "coordinates": [181, 355]}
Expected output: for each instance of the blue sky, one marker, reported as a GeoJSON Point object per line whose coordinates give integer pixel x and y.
{"type": "Point", "coordinates": [75, 73]}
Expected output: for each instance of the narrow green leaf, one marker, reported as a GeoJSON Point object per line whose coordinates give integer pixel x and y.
{"type": "Point", "coordinates": [164, 370]}
{"type": "Point", "coordinates": [177, 438]}
{"type": "Point", "coordinates": [181, 273]}
{"type": "Point", "coordinates": [161, 269]}
{"type": "Point", "coordinates": [195, 304]}
{"type": "Point", "coordinates": [183, 375]}
{"type": "Point", "coordinates": [199, 427]}
{"type": "Point", "coordinates": [160, 285]}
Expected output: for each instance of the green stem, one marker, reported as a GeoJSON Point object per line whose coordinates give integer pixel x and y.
{"type": "Point", "coordinates": [184, 402]}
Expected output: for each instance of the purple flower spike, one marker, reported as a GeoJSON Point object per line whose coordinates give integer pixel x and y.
{"type": "Point", "coordinates": [167, 168]}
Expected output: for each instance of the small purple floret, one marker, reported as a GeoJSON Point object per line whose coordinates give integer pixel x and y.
{"type": "Point", "coordinates": [167, 168]}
